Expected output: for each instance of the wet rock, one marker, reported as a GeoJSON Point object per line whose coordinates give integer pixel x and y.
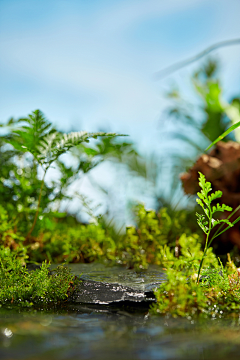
{"type": "Point", "coordinates": [105, 285]}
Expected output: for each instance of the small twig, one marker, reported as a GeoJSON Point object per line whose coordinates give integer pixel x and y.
{"type": "Point", "coordinates": [179, 65]}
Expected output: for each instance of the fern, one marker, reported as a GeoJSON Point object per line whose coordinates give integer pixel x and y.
{"type": "Point", "coordinates": [207, 222]}
{"type": "Point", "coordinates": [55, 144]}
{"type": "Point", "coordinates": [46, 144]}
{"type": "Point", "coordinates": [28, 137]}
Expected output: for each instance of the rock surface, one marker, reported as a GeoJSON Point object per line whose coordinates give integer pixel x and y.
{"type": "Point", "coordinates": [105, 285]}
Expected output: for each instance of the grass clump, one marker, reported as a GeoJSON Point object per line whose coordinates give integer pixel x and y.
{"type": "Point", "coordinates": [18, 285]}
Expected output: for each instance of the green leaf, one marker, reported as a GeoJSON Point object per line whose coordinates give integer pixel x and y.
{"type": "Point", "coordinates": [55, 144]}
{"type": "Point", "coordinates": [206, 212]}
{"type": "Point", "coordinates": [221, 208]}
{"type": "Point", "coordinates": [224, 221]}
{"type": "Point", "coordinates": [201, 195]}
{"type": "Point", "coordinates": [202, 223]}
{"type": "Point", "coordinates": [233, 127]}
{"type": "Point", "coordinates": [28, 137]}
{"type": "Point", "coordinates": [205, 185]}
{"type": "Point", "coordinates": [215, 195]}
{"type": "Point", "coordinates": [200, 202]}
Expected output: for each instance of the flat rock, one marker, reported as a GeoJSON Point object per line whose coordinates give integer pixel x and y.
{"type": "Point", "coordinates": [105, 285]}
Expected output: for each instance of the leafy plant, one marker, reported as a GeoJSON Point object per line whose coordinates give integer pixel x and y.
{"type": "Point", "coordinates": [207, 222]}
{"type": "Point", "coordinates": [46, 144]}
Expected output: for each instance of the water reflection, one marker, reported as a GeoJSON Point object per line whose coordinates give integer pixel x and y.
{"type": "Point", "coordinates": [83, 332]}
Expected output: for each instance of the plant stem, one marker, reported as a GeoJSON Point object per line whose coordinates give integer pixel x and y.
{"type": "Point", "coordinates": [38, 207]}
{"type": "Point", "coordinates": [204, 254]}
{"type": "Point", "coordinates": [206, 244]}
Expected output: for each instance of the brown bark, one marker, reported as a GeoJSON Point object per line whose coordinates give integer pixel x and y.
{"type": "Point", "coordinates": [222, 168]}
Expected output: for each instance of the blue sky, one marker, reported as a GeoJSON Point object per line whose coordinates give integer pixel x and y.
{"type": "Point", "coordinates": [90, 64]}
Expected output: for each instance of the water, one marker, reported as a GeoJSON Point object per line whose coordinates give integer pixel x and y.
{"type": "Point", "coordinates": [120, 331]}
{"type": "Point", "coordinates": [106, 333]}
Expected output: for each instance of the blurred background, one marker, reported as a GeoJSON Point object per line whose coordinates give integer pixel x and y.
{"type": "Point", "coordinates": [91, 65]}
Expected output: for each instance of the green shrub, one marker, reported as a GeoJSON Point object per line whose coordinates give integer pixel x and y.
{"type": "Point", "coordinates": [147, 243]}
{"type": "Point", "coordinates": [152, 241]}
{"type": "Point", "coordinates": [84, 243]}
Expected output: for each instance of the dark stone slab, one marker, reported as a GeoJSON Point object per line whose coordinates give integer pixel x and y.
{"type": "Point", "coordinates": [105, 285]}
{"type": "Point", "coordinates": [105, 293]}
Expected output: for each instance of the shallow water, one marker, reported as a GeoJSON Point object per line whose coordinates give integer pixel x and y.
{"type": "Point", "coordinates": [105, 332]}
{"type": "Point", "coordinates": [123, 330]}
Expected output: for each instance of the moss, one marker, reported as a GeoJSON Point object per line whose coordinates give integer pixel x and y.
{"type": "Point", "coordinates": [18, 285]}
{"type": "Point", "coordinates": [179, 296]}
{"type": "Point", "coordinates": [217, 294]}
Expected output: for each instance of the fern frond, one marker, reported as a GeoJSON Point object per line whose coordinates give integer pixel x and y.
{"type": "Point", "coordinates": [28, 137]}
{"type": "Point", "coordinates": [46, 144]}
{"type": "Point", "coordinates": [47, 151]}
{"type": "Point", "coordinates": [55, 144]}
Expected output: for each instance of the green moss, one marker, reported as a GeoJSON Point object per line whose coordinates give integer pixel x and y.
{"type": "Point", "coordinates": [217, 294]}
{"type": "Point", "coordinates": [18, 285]}
{"type": "Point", "coordinates": [179, 296]}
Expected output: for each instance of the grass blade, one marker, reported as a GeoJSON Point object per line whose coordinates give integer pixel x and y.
{"type": "Point", "coordinates": [233, 127]}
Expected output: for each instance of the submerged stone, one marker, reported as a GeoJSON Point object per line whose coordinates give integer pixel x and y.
{"type": "Point", "coordinates": [105, 285]}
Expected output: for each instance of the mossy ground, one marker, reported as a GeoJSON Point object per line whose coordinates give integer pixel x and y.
{"type": "Point", "coordinates": [154, 240]}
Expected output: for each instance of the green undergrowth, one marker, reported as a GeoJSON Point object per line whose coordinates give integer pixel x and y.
{"type": "Point", "coordinates": [217, 294]}
{"type": "Point", "coordinates": [165, 238]}
{"type": "Point", "coordinates": [20, 286]}
{"type": "Point", "coordinates": [192, 289]}
{"type": "Point", "coordinates": [152, 241]}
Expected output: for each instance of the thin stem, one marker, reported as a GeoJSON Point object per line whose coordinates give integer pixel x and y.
{"type": "Point", "coordinates": [204, 254]}
{"type": "Point", "coordinates": [38, 207]}
{"type": "Point", "coordinates": [214, 236]}
{"type": "Point", "coordinates": [206, 244]}
{"type": "Point", "coordinates": [200, 266]}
